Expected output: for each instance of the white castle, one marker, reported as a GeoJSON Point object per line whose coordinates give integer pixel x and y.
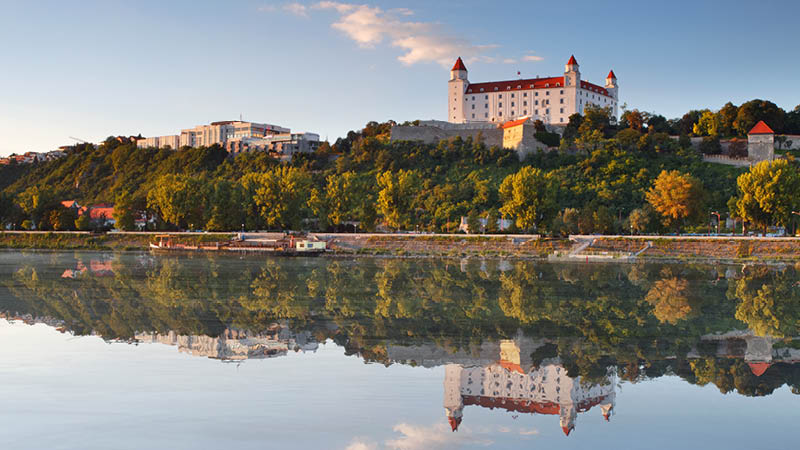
{"type": "Point", "coordinates": [551, 100]}
{"type": "Point", "coordinates": [506, 385]}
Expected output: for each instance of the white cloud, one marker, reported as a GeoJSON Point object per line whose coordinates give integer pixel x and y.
{"type": "Point", "coordinates": [532, 58]}
{"type": "Point", "coordinates": [509, 61]}
{"type": "Point", "coordinates": [361, 444]}
{"type": "Point", "coordinates": [297, 9]}
{"type": "Point", "coordinates": [420, 42]}
{"type": "Point", "coordinates": [436, 436]}
{"type": "Point", "coordinates": [531, 432]}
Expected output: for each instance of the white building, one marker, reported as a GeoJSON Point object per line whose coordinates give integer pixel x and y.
{"type": "Point", "coordinates": [551, 100]}
{"type": "Point", "coordinates": [215, 133]}
{"type": "Point", "coordinates": [285, 144]}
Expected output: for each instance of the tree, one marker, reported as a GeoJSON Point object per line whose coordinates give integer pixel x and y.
{"type": "Point", "coordinates": [768, 193]}
{"type": "Point", "coordinates": [124, 213]}
{"type": "Point", "coordinates": [281, 195]}
{"type": "Point", "coordinates": [82, 223]}
{"type": "Point", "coordinates": [726, 117]}
{"type": "Point", "coordinates": [528, 196]}
{"type": "Point", "coordinates": [707, 125]}
{"type": "Point", "coordinates": [676, 196]}
{"type": "Point", "coordinates": [36, 201]}
{"type": "Point", "coordinates": [639, 220]}
{"type": "Point", "coordinates": [396, 197]}
{"type": "Point", "coordinates": [634, 119]}
{"type": "Point", "coordinates": [179, 199]}
{"type": "Point", "coordinates": [751, 112]}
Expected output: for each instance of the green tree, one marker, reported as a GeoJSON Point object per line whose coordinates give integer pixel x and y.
{"type": "Point", "coordinates": [82, 223]}
{"type": "Point", "coordinates": [768, 193]}
{"type": "Point", "coordinates": [676, 196]}
{"type": "Point", "coordinates": [281, 195]}
{"type": "Point", "coordinates": [708, 124]}
{"type": "Point", "coordinates": [529, 197]}
{"type": "Point", "coordinates": [751, 112]}
{"type": "Point", "coordinates": [179, 200]}
{"type": "Point", "coordinates": [124, 213]}
{"type": "Point", "coordinates": [396, 197]}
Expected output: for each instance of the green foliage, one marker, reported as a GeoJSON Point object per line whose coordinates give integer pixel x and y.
{"type": "Point", "coordinates": [529, 197]}
{"type": "Point", "coordinates": [768, 193]}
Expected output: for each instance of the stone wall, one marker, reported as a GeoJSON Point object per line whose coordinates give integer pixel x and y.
{"type": "Point", "coordinates": [761, 147]}
{"type": "Point", "coordinates": [431, 132]}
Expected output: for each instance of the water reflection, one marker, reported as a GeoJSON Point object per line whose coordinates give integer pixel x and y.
{"type": "Point", "coordinates": [525, 337]}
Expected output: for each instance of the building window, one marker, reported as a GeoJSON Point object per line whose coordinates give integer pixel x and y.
{"type": "Point", "coordinates": [473, 98]}
{"type": "Point", "coordinates": [536, 94]}
{"type": "Point", "coordinates": [547, 111]}
{"type": "Point", "coordinates": [536, 112]}
{"type": "Point", "coordinates": [562, 92]}
{"type": "Point", "coordinates": [500, 105]}
{"type": "Point", "coordinates": [500, 96]}
{"type": "Point", "coordinates": [561, 101]}
{"type": "Point", "coordinates": [561, 120]}
{"type": "Point", "coordinates": [547, 93]}
{"type": "Point", "coordinates": [525, 103]}
{"type": "Point", "coordinates": [473, 116]}
{"type": "Point", "coordinates": [512, 95]}
{"type": "Point", "coordinates": [536, 102]}
{"type": "Point", "coordinates": [562, 111]}
{"type": "Point", "coordinates": [473, 106]}
{"type": "Point", "coordinates": [524, 112]}
{"type": "Point", "coordinates": [547, 102]}
{"type": "Point", "coordinates": [524, 94]}
{"type": "Point", "coordinates": [500, 114]}
{"type": "Point", "coordinates": [485, 105]}
{"type": "Point", "coordinates": [485, 115]}
{"type": "Point", "coordinates": [486, 97]}
{"type": "Point", "coordinates": [512, 104]}
{"type": "Point", "coordinates": [512, 113]}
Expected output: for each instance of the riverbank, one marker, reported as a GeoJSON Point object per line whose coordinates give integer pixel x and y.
{"type": "Point", "coordinates": [579, 248]}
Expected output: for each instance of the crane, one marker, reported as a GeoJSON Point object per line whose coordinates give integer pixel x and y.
{"type": "Point", "coordinates": [82, 141]}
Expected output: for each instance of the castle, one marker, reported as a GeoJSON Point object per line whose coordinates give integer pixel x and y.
{"type": "Point", "coordinates": [551, 100]}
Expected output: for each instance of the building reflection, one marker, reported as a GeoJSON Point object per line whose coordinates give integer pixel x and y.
{"type": "Point", "coordinates": [501, 375]}
{"type": "Point", "coordinates": [238, 345]}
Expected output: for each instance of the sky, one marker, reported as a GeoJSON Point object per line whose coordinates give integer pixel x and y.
{"type": "Point", "coordinates": [96, 68]}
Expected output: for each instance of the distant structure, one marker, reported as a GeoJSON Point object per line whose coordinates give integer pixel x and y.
{"type": "Point", "coordinates": [238, 136]}
{"type": "Point", "coordinates": [551, 100]}
{"type": "Point", "coordinates": [761, 143]}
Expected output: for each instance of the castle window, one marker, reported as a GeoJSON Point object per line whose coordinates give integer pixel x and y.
{"type": "Point", "coordinates": [524, 112]}
{"type": "Point", "coordinates": [481, 89]}
{"type": "Point", "coordinates": [562, 110]}
{"type": "Point", "coordinates": [562, 92]}
{"type": "Point", "coordinates": [524, 94]}
{"type": "Point", "coordinates": [547, 93]}
{"type": "Point", "coordinates": [473, 97]}
{"type": "Point", "coordinates": [525, 103]}
{"type": "Point", "coordinates": [500, 105]}
{"type": "Point", "coordinates": [473, 106]}
{"type": "Point", "coordinates": [486, 105]}
{"type": "Point", "coordinates": [536, 94]}
{"type": "Point", "coordinates": [500, 113]}
{"type": "Point", "coordinates": [547, 111]}
{"type": "Point", "coordinates": [561, 101]}
{"type": "Point", "coordinates": [512, 113]}
{"type": "Point", "coordinates": [486, 97]}
{"type": "Point", "coordinates": [500, 96]}
{"type": "Point", "coordinates": [473, 116]}
{"type": "Point", "coordinates": [512, 95]}
{"type": "Point", "coordinates": [485, 115]}
{"type": "Point", "coordinates": [512, 104]}
{"type": "Point", "coordinates": [547, 102]}
{"type": "Point", "coordinates": [536, 102]}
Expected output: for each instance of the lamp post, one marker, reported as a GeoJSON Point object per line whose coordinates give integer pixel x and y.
{"type": "Point", "coordinates": [715, 213]}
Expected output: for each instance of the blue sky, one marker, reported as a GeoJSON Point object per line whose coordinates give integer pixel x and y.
{"type": "Point", "coordinates": [91, 69]}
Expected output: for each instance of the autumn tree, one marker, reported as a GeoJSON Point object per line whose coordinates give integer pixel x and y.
{"type": "Point", "coordinates": [676, 196]}
{"type": "Point", "coordinates": [281, 195]}
{"type": "Point", "coordinates": [768, 193]}
{"type": "Point", "coordinates": [529, 197]}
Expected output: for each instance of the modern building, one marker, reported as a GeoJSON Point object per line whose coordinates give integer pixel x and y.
{"type": "Point", "coordinates": [551, 100]}
{"type": "Point", "coordinates": [284, 144]}
{"type": "Point", "coordinates": [215, 133]}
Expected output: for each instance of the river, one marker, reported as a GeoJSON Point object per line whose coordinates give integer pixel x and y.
{"type": "Point", "coordinates": [135, 350]}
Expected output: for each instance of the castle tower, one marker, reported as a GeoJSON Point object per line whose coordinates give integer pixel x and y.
{"type": "Point", "coordinates": [613, 89]}
{"type": "Point", "coordinates": [453, 403]}
{"type": "Point", "coordinates": [572, 73]}
{"type": "Point", "coordinates": [455, 93]}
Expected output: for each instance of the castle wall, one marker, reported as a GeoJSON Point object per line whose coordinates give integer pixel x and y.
{"type": "Point", "coordinates": [431, 134]}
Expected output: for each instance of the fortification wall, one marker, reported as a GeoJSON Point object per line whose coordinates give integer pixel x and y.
{"type": "Point", "coordinates": [431, 132]}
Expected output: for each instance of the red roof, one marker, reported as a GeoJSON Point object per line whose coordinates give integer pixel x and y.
{"type": "Point", "coordinates": [761, 367]}
{"type": "Point", "coordinates": [510, 124]}
{"type": "Point", "coordinates": [531, 83]}
{"type": "Point", "coordinates": [69, 204]}
{"type": "Point", "coordinates": [459, 65]}
{"type": "Point", "coordinates": [611, 74]}
{"type": "Point", "coordinates": [101, 212]}
{"type": "Point", "coordinates": [454, 422]}
{"type": "Point", "coordinates": [761, 128]}
{"type": "Point", "coordinates": [572, 60]}
{"type": "Point", "coordinates": [566, 430]}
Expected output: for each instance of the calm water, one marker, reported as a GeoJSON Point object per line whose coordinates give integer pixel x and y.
{"type": "Point", "coordinates": [131, 351]}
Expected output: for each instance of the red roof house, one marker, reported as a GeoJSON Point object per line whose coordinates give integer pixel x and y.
{"type": "Point", "coordinates": [761, 128]}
